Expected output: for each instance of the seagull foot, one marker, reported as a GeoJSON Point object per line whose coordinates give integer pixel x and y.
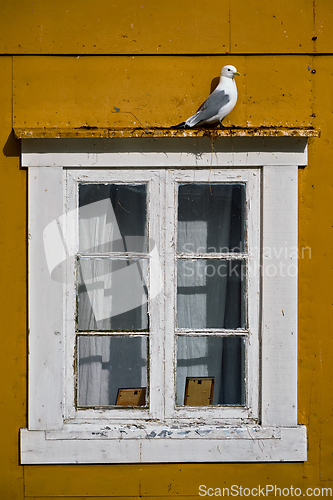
{"type": "Point", "coordinates": [180, 125]}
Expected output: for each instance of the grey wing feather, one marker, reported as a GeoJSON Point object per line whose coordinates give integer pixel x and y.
{"type": "Point", "coordinates": [210, 107]}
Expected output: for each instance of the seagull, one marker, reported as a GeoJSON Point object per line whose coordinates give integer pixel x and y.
{"type": "Point", "coordinates": [218, 104]}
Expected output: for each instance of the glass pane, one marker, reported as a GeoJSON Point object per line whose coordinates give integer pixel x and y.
{"type": "Point", "coordinates": [112, 294]}
{"type": "Point", "coordinates": [211, 218]}
{"type": "Point", "coordinates": [109, 363]}
{"type": "Point", "coordinates": [220, 358]}
{"type": "Point", "coordinates": [112, 218]}
{"type": "Point", "coordinates": [211, 293]}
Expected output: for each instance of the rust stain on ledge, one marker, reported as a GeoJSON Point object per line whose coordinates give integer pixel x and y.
{"type": "Point", "coordinates": [109, 133]}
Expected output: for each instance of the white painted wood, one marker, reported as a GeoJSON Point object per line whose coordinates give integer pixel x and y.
{"type": "Point", "coordinates": [161, 160]}
{"type": "Point", "coordinates": [45, 301]}
{"type": "Point", "coordinates": [252, 257]}
{"type": "Point", "coordinates": [162, 346]}
{"type": "Point", "coordinates": [158, 431]}
{"type": "Point", "coordinates": [156, 335]}
{"type": "Point", "coordinates": [279, 297]}
{"type": "Point", "coordinates": [168, 152]}
{"type": "Point", "coordinates": [170, 297]}
{"type": "Point", "coordinates": [289, 444]}
{"type": "Point", "coordinates": [156, 296]}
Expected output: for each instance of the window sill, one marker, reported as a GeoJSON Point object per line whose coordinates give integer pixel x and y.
{"type": "Point", "coordinates": [158, 132]}
{"type": "Point", "coordinates": [162, 444]}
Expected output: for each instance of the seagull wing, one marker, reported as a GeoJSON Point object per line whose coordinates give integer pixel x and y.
{"type": "Point", "coordinates": [214, 102]}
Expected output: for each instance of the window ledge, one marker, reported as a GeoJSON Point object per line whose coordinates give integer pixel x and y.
{"type": "Point", "coordinates": [109, 133]}
{"type": "Point", "coordinates": [158, 443]}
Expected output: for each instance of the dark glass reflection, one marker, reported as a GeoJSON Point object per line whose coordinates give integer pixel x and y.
{"type": "Point", "coordinates": [112, 294]}
{"type": "Point", "coordinates": [222, 358]}
{"type": "Point", "coordinates": [107, 364]}
{"type": "Point", "coordinates": [112, 218]}
{"type": "Point", "coordinates": [211, 293]}
{"type": "Point", "coordinates": [211, 218]}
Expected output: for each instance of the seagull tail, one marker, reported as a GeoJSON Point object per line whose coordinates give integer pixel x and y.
{"type": "Point", "coordinates": [180, 125]}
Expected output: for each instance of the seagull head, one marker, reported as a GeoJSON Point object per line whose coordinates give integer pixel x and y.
{"type": "Point", "coordinates": [229, 71]}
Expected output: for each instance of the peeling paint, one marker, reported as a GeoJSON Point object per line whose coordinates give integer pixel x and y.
{"type": "Point", "coordinates": [162, 432]}
{"type": "Point", "coordinates": [91, 132]}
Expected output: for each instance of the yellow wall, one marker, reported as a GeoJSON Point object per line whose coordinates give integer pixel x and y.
{"type": "Point", "coordinates": [69, 64]}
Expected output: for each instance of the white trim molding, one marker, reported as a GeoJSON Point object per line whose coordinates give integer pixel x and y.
{"type": "Point", "coordinates": [165, 153]}
{"type": "Point", "coordinates": [241, 444]}
{"type": "Point", "coordinates": [266, 429]}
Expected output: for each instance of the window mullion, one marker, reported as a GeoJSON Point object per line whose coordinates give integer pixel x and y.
{"type": "Point", "coordinates": [170, 290]}
{"type": "Point", "coordinates": [156, 295]}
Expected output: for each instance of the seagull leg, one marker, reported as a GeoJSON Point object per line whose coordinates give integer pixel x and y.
{"type": "Point", "coordinates": [220, 122]}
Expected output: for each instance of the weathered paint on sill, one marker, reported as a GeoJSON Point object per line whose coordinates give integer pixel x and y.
{"type": "Point", "coordinates": [91, 132]}
{"type": "Point", "coordinates": [151, 431]}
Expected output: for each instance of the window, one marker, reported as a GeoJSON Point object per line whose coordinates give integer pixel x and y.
{"type": "Point", "coordinates": [162, 302]}
{"type": "Point", "coordinates": [200, 322]}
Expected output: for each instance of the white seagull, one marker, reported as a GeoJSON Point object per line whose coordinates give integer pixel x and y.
{"type": "Point", "coordinates": [218, 104]}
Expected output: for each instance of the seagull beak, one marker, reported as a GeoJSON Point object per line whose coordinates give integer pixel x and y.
{"type": "Point", "coordinates": [236, 73]}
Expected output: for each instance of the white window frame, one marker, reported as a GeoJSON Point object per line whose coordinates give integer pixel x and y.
{"type": "Point", "coordinates": [104, 416]}
{"type": "Point", "coordinates": [270, 435]}
{"type": "Point", "coordinates": [222, 415]}
{"type": "Point", "coordinates": [162, 226]}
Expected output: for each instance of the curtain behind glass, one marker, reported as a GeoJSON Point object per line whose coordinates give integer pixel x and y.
{"type": "Point", "coordinates": [211, 218]}
{"type": "Point", "coordinates": [220, 357]}
{"type": "Point", "coordinates": [112, 293]}
{"type": "Point", "coordinates": [112, 218]}
{"type": "Point", "coordinates": [210, 293]}
{"type": "Point", "coordinates": [107, 364]}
